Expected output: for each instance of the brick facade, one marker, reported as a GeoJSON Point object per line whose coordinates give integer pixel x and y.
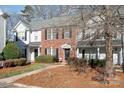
{"type": "Point", "coordinates": [57, 43]}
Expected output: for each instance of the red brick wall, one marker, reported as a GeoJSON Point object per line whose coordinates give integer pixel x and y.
{"type": "Point", "coordinates": [57, 43]}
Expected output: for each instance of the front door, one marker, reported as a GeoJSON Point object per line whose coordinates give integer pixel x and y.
{"type": "Point", "coordinates": [67, 53]}
{"type": "Point", "coordinates": [35, 53]}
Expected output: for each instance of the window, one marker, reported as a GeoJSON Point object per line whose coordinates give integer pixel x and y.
{"type": "Point", "coordinates": [23, 53]}
{"type": "Point", "coordinates": [79, 36]}
{"type": "Point", "coordinates": [51, 51]}
{"type": "Point", "coordinates": [21, 35]}
{"type": "Point", "coordinates": [35, 38]}
{"type": "Point", "coordinates": [48, 34]}
{"type": "Point", "coordinates": [54, 33]}
{"type": "Point", "coordinates": [67, 31]}
{"type": "Point", "coordinates": [115, 35]}
{"type": "Point", "coordinates": [80, 50]}
{"type": "Point", "coordinates": [51, 33]}
{"type": "Point", "coordinates": [48, 51]}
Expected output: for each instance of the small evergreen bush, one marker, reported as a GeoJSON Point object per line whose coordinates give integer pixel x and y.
{"type": "Point", "coordinates": [1, 57]}
{"type": "Point", "coordinates": [11, 51]}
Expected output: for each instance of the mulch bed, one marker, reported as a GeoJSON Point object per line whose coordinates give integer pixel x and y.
{"type": "Point", "coordinates": [63, 77]}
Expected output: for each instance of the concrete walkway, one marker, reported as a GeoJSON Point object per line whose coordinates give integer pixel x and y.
{"type": "Point", "coordinates": [8, 82]}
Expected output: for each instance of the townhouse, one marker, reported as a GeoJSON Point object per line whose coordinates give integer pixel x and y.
{"type": "Point", "coordinates": [2, 31]}
{"type": "Point", "coordinates": [28, 41]}
{"type": "Point", "coordinates": [65, 37]}
{"type": "Point", "coordinates": [59, 36]}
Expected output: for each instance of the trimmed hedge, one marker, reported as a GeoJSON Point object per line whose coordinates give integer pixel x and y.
{"type": "Point", "coordinates": [11, 51]}
{"type": "Point", "coordinates": [45, 59]}
{"type": "Point", "coordinates": [15, 62]}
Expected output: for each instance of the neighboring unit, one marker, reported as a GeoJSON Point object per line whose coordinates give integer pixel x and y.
{"type": "Point", "coordinates": [58, 36]}
{"type": "Point", "coordinates": [28, 41]}
{"type": "Point", "coordinates": [2, 31]}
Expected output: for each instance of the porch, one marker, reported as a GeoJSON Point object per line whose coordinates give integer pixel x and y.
{"type": "Point", "coordinates": [96, 50]}
{"type": "Point", "coordinates": [33, 50]}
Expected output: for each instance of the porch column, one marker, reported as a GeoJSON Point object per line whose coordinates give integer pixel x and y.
{"type": "Point", "coordinates": [39, 51]}
{"type": "Point", "coordinates": [118, 58]}
{"type": "Point", "coordinates": [121, 57]}
{"type": "Point", "coordinates": [98, 53]}
{"type": "Point", "coordinates": [28, 54]}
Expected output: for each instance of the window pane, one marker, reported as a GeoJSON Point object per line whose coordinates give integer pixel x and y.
{"type": "Point", "coordinates": [54, 33]}
{"type": "Point", "coordinates": [49, 34]}
{"type": "Point", "coordinates": [66, 32]}
{"type": "Point", "coordinates": [54, 52]}
{"type": "Point", "coordinates": [35, 37]}
{"type": "Point", "coordinates": [21, 35]}
{"type": "Point", "coordinates": [48, 51]}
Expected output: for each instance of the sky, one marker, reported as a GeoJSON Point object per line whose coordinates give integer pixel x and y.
{"type": "Point", "coordinates": [12, 8]}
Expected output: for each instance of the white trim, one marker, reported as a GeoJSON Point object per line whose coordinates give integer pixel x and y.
{"type": "Point", "coordinates": [13, 29]}
{"type": "Point", "coordinates": [5, 32]}
{"type": "Point", "coordinates": [64, 46]}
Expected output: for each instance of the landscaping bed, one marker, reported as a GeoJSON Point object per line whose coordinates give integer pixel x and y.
{"type": "Point", "coordinates": [11, 71]}
{"type": "Point", "coordinates": [63, 77]}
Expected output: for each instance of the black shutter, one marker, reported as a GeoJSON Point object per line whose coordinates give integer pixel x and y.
{"type": "Point", "coordinates": [45, 34]}
{"type": "Point", "coordinates": [45, 51]}
{"type": "Point", "coordinates": [63, 33]}
{"type": "Point", "coordinates": [83, 53]}
{"type": "Point", "coordinates": [16, 36]}
{"type": "Point", "coordinates": [57, 53]}
{"type": "Point", "coordinates": [25, 35]}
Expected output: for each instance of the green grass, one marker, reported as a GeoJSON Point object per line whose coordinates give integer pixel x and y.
{"type": "Point", "coordinates": [21, 70]}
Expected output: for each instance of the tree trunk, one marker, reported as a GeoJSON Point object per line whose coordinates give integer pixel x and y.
{"type": "Point", "coordinates": [108, 42]}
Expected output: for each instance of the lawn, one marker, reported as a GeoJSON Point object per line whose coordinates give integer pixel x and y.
{"type": "Point", "coordinates": [11, 71]}
{"type": "Point", "coordinates": [63, 77]}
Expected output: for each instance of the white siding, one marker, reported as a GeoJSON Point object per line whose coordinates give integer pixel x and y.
{"type": "Point", "coordinates": [34, 34]}
{"type": "Point", "coordinates": [2, 33]}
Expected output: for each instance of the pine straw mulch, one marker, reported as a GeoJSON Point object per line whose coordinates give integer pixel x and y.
{"type": "Point", "coordinates": [63, 77]}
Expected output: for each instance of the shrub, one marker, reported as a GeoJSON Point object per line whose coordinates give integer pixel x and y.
{"type": "Point", "coordinates": [11, 51]}
{"type": "Point", "coordinates": [96, 63]}
{"type": "Point", "coordinates": [45, 59]}
{"type": "Point", "coordinates": [15, 62]}
{"type": "Point", "coordinates": [1, 57]}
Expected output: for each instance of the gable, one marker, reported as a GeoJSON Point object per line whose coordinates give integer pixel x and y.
{"type": "Point", "coordinates": [20, 27]}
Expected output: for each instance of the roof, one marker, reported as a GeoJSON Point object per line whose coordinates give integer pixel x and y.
{"type": "Point", "coordinates": [13, 20]}
{"type": "Point", "coordinates": [34, 44]}
{"type": "Point", "coordinates": [97, 43]}
{"type": "Point", "coordinates": [55, 22]}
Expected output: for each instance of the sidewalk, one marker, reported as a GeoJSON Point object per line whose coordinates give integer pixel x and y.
{"type": "Point", "coordinates": [9, 81]}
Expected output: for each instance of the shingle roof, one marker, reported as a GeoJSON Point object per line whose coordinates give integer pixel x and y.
{"type": "Point", "coordinates": [34, 44]}
{"type": "Point", "coordinates": [54, 22]}
{"type": "Point", "coordinates": [97, 43]}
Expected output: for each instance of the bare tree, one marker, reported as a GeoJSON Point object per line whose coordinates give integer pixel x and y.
{"type": "Point", "coordinates": [106, 18]}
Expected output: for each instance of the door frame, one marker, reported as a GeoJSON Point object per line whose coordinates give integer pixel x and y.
{"type": "Point", "coordinates": [69, 52]}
